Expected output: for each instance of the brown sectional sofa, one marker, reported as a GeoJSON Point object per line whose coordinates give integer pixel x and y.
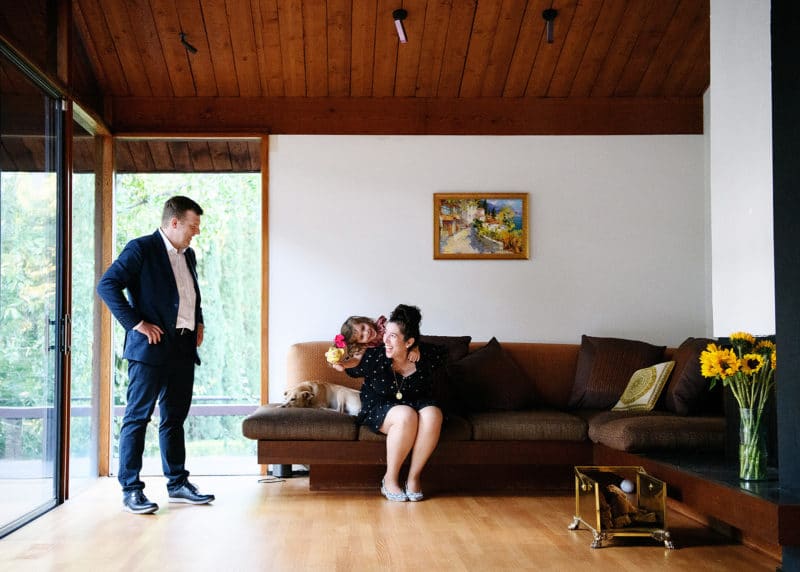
{"type": "Point", "coordinates": [502, 446]}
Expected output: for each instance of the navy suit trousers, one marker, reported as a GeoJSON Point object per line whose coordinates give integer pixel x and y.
{"type": "Point", "coordinates": [171, 386]}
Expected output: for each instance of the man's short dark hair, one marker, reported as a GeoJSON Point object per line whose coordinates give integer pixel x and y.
{"type": "Point", "coordinates": [177, 207]}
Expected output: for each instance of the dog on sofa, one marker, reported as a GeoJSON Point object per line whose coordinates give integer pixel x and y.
{"type": "Point", "coordinates": [323, 395]}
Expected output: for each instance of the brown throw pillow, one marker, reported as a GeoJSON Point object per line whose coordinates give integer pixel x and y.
{"type": "Point", "coordinates": [457, 346]}
{"type": "Point", "coordinates": [605, 365]}
{"type": "Point", "coordinates": [488, 379]}
{"type": "Point", "coordinates": [687, 392]}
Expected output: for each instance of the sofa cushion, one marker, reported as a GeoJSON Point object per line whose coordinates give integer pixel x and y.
{"type": "Point", "coordinates": [488, 379]}
{"type": "Point", "coordinates": [644, 388]}
{"type": "Point", "coordinates": [457, 346]}
{"type": "Point", "coordinates": [530, 425]}
{"type": "Point", "coordinates": [276, 423]}
{"type": "Point", "coordinates": [657, 431]}
{"type": "Point", "coordinates": [454, 428]}
{"type": "Point", "coordinates": [687, 392]}
{"type": "Point", "coordinates": [604, 367]}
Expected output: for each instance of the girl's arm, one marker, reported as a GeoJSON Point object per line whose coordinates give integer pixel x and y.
{"type": "Point", "coordinates": [350, 362]}
{"type": "Point", "coordinates": [356, 370]}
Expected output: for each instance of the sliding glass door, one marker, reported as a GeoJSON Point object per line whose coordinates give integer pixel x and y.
{"type": "Point", "coordinates": [31, 321]}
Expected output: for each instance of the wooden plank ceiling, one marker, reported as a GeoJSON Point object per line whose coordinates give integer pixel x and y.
{"type": "Point", "coordinates": [336, 66]}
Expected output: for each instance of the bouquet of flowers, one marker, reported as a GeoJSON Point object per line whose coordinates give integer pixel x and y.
{"type": "Point", "coordinates": [337, 351]}
{"type": "Point", "coordinates": [748, 369]}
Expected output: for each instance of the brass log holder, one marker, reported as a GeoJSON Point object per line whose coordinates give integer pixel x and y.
{"type": "Point", "coordinates": [647, 502]}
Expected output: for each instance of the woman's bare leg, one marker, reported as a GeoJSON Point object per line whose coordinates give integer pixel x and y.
{"type": "Point", "coordinates": [400, 427]}
{"type": "Point", "coordinates": [430, 427]}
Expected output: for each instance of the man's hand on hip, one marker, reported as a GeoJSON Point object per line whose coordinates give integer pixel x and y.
{"type": "Point", "coordinates": [151, 331]}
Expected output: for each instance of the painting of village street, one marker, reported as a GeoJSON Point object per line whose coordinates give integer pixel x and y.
{"type": "Point", "coordinates": [480, 225]}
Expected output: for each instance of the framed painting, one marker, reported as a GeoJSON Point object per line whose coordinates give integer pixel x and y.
{"type": "Point", "coordinates": [490, 226]}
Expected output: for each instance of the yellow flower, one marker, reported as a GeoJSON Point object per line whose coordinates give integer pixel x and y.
{"type": "Point", "coordinates": [708, 362]}
{"type": "Point", "coordinates": [727, 363]}
{"type": "Point", "coordinates": [742, 336]}
{"type": "Point", "coordinates": [766, 345]}
{"type": "Point", "coordinates": [743, 368]}
{"type": "Point", "coordinates": [751, 363]}
{"type": "Point", "coordinates": [719, 363]}
{"type": "Point", "coordinates": [334, 354]}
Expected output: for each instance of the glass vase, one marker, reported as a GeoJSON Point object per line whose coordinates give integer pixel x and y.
{"type": "Point", "coordinates": [752, 446]}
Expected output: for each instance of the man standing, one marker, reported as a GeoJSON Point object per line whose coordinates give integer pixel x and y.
{"type": "Point", "coordinates": [163, 322]}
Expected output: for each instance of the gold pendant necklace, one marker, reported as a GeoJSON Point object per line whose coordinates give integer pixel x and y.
{"type": "Point", "coordinates": [398, 386]}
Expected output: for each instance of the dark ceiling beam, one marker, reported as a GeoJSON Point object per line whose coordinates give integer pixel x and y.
{"type": "Point", "coordinates": [407, 116]}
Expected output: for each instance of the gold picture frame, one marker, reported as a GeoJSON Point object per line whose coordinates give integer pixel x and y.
{"type": "Point", "coordinates": [491, 226]}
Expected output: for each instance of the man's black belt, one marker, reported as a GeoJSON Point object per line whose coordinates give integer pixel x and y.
{"type": "Point", "coordinates": [184, 331]}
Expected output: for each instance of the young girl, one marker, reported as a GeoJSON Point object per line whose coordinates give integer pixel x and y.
{"type": "Point", "coordinates": [357, 334]}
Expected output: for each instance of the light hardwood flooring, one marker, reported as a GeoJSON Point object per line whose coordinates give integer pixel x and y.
{"type": "Point", "coordinates": [284, 526]}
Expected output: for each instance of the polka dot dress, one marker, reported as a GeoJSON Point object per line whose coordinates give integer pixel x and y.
{"type": "Point", "coordinates": [382, 390]}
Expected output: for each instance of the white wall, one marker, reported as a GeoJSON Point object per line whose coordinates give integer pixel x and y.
{"type": "Point", "coordinates": [741, 168]}
{"type": "Point", "coordinates": [618, 237]}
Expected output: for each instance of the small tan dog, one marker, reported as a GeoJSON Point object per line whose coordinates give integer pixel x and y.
{"type": "Point", "coordinates": [323, 395]}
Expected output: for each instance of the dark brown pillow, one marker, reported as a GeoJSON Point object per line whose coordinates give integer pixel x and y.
{"type": "Point", "coordinates": [488, 379]}
{"type": "Point", "coordinates": [605, 366]}
{"type": "Point", "coordinates": [457, 346]}
{"type": "Point", "coordinates": [687, 392]}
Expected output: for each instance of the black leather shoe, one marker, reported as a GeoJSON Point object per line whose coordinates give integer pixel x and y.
{"type": "Point", "coordinates": [189, 493]}
{"type": "Point", "coordinates": [137, 503]}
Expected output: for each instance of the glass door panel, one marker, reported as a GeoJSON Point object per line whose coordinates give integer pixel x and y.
{"type": "Point", "coordinates": [29, 344]}
{"type": "Point", "coordinates": [84, 406]}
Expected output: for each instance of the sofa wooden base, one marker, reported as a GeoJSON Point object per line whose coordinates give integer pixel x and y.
{"type": "Point", "coordinates": [454, 466]}
{"type": "Point", "coordinates": [444, 479]}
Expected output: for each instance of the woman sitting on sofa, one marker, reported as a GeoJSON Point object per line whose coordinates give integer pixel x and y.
{"type": "Point", "coordinates": [397, 400]}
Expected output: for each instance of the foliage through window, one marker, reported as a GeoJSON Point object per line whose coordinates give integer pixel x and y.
{"type": "Point", "coordinates": [228, 248]}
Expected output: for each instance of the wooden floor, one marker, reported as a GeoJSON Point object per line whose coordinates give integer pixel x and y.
{"type": "Point", "coordinates": [284, 526]}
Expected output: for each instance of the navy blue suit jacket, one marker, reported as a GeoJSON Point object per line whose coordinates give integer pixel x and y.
{"type": "Point", "coordinates": [143, 269]}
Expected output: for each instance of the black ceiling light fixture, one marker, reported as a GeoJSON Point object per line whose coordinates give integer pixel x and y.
{"type": "Point", "coordinates": [549, 15]}
{"type": "Point", "coordinates": [189, 47]}
{"type": "Point", "coordinates": [400, 15]}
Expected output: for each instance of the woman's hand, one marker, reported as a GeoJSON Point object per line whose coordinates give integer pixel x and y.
{"type": "Point", "coordinates": [413, 355]}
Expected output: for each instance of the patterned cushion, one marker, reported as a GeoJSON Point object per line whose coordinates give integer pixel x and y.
{"type": "Point", "coordinates": [644, 388]}
{"type": "Point", "coordinates": [605, 366]}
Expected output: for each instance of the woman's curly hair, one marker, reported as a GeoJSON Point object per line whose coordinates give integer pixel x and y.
{"type": "Point", "coordinates": [408, 319]}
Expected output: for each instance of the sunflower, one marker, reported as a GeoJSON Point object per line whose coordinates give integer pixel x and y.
{"type": "Point", "coordinates": [765, 345]}
{"type": "Point", "coordinates": [751, 363]}
{"type": "Point", "coordinates": [746, 367]}
{"type": "Point", "coordinates": [742, 337]}
{"type": "Point", "coordinates": [720, 363]}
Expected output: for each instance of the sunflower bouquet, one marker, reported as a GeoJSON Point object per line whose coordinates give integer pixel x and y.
{"type": "Point", "coordinates": [747, 367]}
